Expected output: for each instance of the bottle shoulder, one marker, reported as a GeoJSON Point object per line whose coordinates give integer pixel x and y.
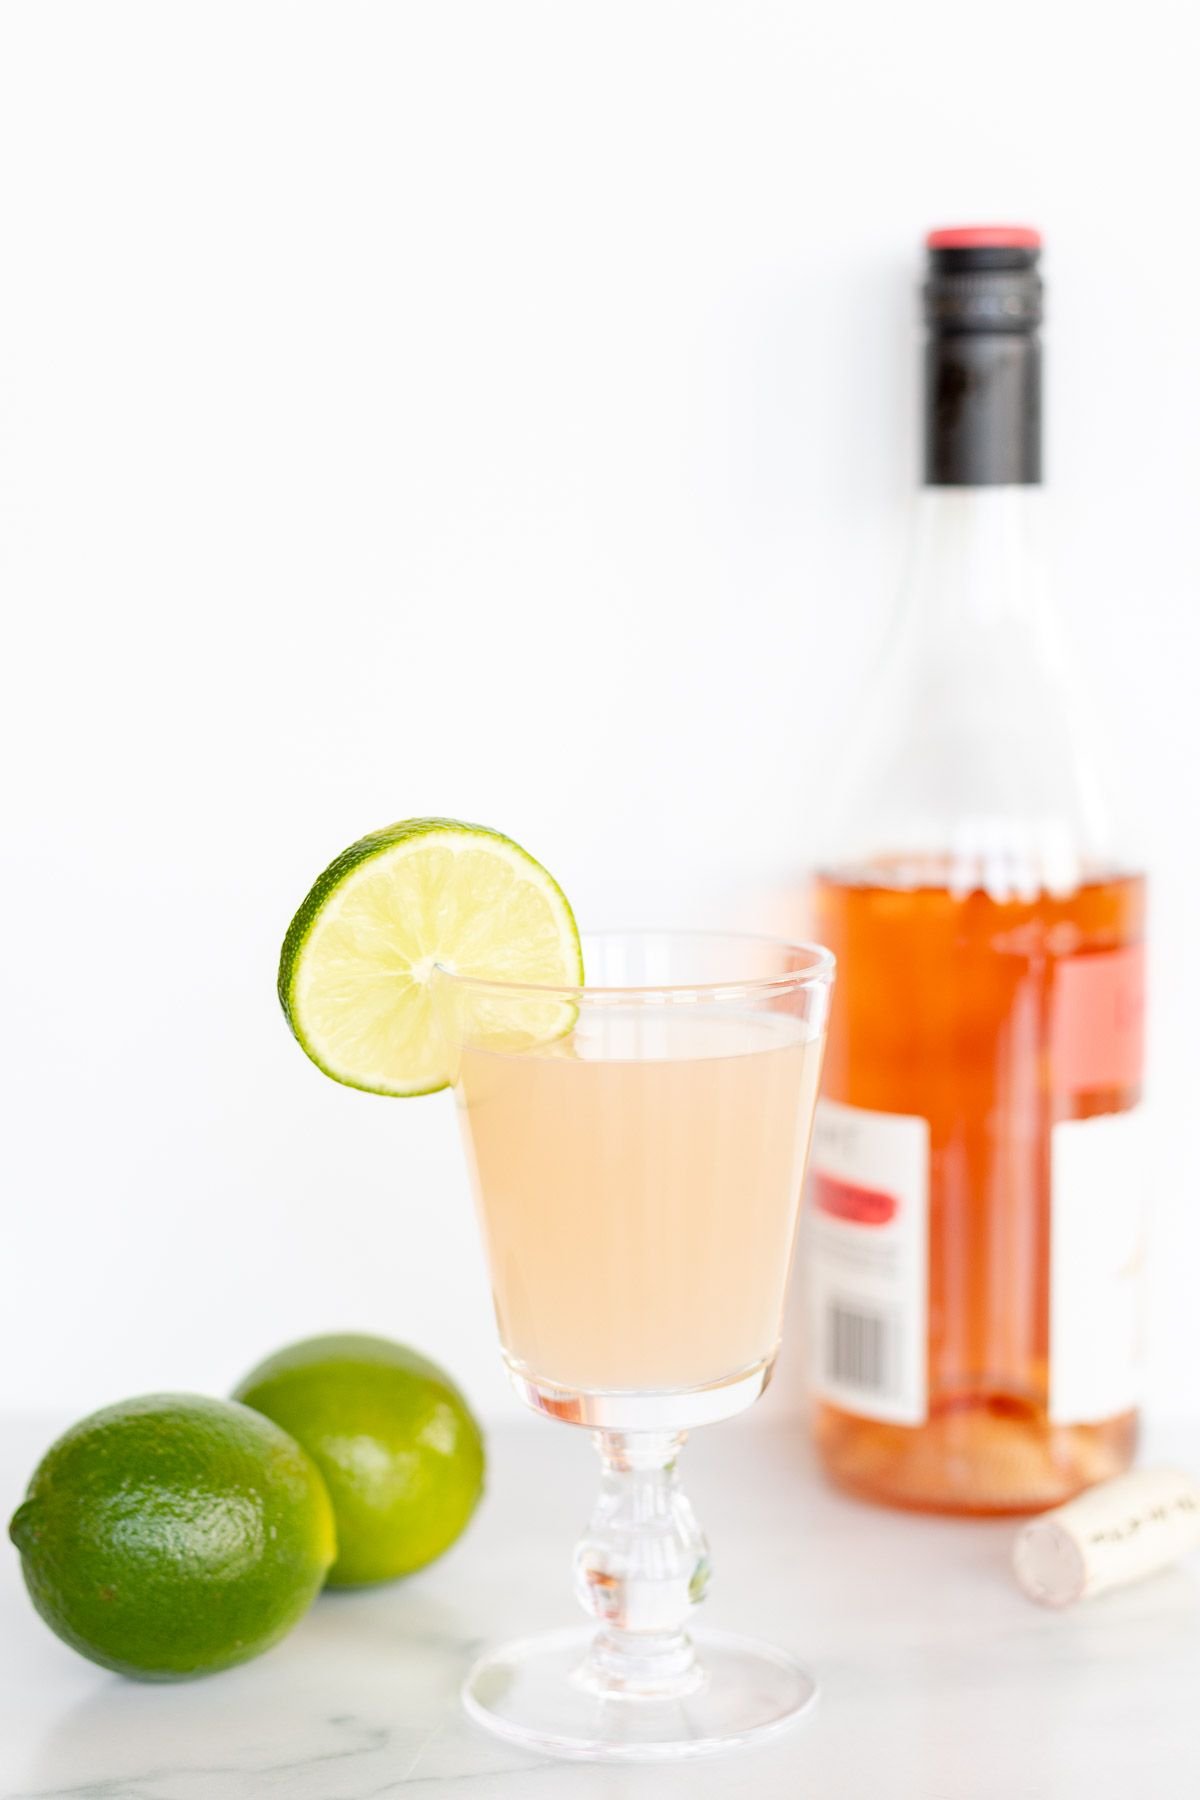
{"type": "Point", "coordinates": [969, 745]}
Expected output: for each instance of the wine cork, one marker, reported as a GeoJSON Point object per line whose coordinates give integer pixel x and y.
{"type": "Point", "coordinates": [1116, 1532]}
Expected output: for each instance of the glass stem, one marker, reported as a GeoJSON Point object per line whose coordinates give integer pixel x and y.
{"type": "Point", "coordinates": [640, 1567]}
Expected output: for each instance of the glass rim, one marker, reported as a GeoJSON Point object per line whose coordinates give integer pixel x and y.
{"type": "Point", "coordinates": [819, 968]}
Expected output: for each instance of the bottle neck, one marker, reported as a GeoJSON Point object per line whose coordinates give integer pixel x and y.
{"type": "Point", "coordinates": [983, 409]}
{"type": "Point", "coordinates": [983, 363]}
{"type": "Point", "coordinates": [979, 550]}
{"type": "Point", "coordinates": [979, 561]}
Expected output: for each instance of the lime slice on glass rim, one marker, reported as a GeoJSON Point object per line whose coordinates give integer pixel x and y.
{"type": "Point", "coordinates": [357, 963]}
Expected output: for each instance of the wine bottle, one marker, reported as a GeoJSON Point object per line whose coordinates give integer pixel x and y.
{"type": "Point", "coordinates": [976, 1229]}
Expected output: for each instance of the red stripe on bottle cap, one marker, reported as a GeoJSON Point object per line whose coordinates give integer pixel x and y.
{"type": "Point", "coordinates": [984, 237]}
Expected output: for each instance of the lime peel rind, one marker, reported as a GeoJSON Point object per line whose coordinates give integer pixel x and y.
{"type": "Point", "coordinates": [173, 1535]}
{"type": "Point", "coordinates": [400, 1451]}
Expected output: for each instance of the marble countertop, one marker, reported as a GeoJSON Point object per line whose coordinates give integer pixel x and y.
{"type": "Point", "coordinates": [940, 1681]}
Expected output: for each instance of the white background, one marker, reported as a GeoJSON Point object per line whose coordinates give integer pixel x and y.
{"type": "Point", "coordinates": [504, 410]}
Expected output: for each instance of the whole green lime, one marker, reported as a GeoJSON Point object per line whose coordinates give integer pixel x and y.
{"type": "Point", "coordinates": [400, 1451]}
{"type": "Point", "coordinates": [173, 1535]}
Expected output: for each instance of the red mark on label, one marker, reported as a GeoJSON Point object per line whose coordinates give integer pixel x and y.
{"type": "Point", "coordinates": [846, 1200]}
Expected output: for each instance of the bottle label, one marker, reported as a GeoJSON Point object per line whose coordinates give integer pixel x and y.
{"type": "Point", "coordinates": [867, 1261]}
{"type": "Point", "coordinates": [1097, 1251]}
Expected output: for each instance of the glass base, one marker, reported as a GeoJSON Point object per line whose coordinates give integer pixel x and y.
{"type": "Point", "coordinates": [671, 1409]}
{"type": "Point", "coordinates": [538, 1692]}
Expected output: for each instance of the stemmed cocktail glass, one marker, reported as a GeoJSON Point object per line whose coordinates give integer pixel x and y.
{"type": "Point", "coordinates": [638, 1147]}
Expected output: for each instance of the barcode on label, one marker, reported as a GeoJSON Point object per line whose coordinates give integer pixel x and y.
{"type": "Point", "coordinates": [868, 1262]}
{"type": "Point", "coordinates": [862, 1349]}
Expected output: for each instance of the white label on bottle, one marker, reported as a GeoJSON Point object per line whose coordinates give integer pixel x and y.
{"type": "Point", "coordinates": [868, 1260]}
{"type": "Point", "coordinates": [1097, 1251]}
